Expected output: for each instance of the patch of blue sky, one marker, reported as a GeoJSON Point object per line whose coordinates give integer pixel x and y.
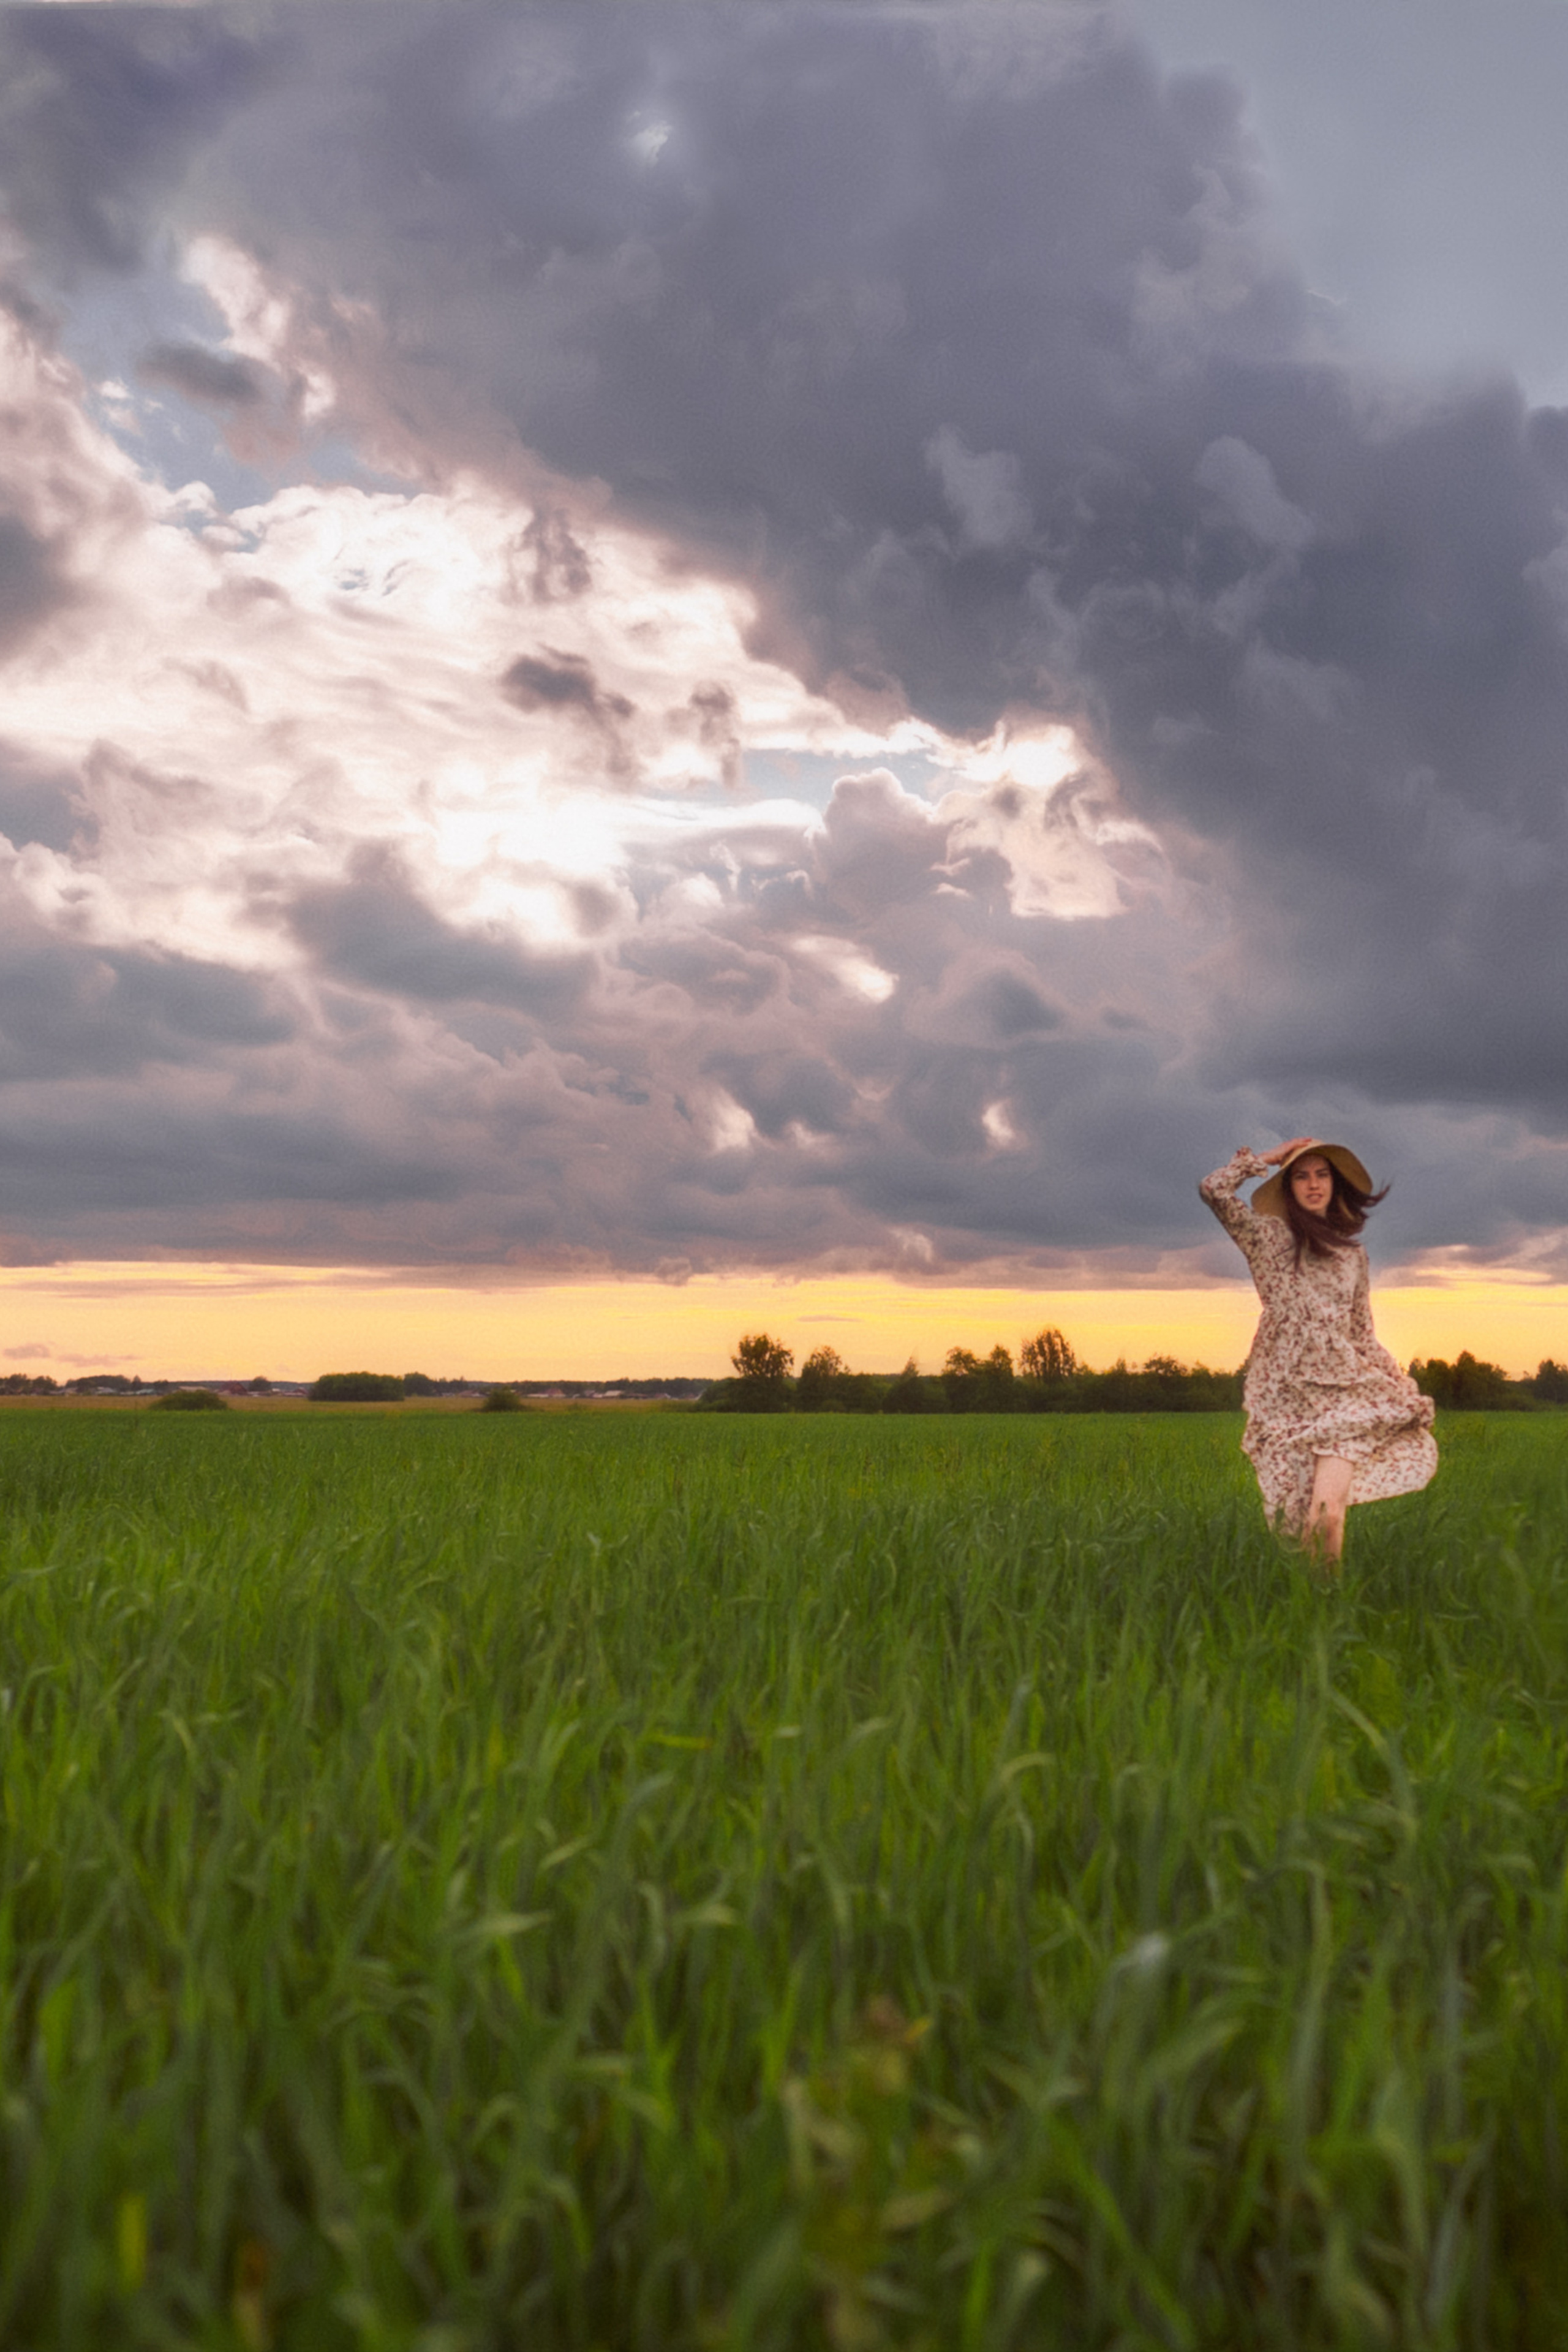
{"type": "Point", "coordinates": [178, 442]}
{"type": "Point", "coordinates": [810, 776]}
{"type": "Point", "coordinates": [107, 320]}
{"type": "Point", "coordinates": [106, 325]}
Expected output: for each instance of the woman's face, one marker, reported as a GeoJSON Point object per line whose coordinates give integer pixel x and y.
{"type": "Point", "coordinates": [1312, 1183]}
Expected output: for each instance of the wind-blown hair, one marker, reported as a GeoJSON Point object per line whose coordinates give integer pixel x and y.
{"type": "Point", "coordinates": [1342, 1220]}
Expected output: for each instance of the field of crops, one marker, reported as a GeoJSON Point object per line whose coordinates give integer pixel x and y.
{"type": "Point", "coordinates": [639, 1882]}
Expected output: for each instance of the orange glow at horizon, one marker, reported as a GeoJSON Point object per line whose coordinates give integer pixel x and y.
{"type": "Point", "coordinates": [164, 1321]}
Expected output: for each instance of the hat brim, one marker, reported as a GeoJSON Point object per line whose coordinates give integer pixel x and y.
{"type": "Point", "coordinates": [1268, 1201]}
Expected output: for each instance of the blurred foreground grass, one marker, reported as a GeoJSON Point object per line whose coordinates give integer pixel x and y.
{"type": "Point", "coordinates": [588, 1880]}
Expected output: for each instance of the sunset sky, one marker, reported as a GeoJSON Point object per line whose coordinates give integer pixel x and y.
{"type": "Point", "coordinates": [663, 669]}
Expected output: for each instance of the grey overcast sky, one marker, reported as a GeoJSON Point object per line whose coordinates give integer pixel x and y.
{"type": "Point", "coordinates": [656, 638]}
{"type": "Point", "coordinates": [1416, 153]}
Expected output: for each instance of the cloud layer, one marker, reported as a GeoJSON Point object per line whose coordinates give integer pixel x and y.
{"type": "Point", "coordinates": [918, 402]}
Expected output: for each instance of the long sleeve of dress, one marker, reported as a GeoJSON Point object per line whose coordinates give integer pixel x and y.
{"type": "Point", "coordinates": [1221, 1191]}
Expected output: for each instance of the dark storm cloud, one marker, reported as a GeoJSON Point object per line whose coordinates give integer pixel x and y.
{"type": "Point", "coordinates": [1373, 725]}
{"type": "Point", "coordinates": [785, 1090]}
{"type": "Point", "coordinates": [101, 112]}
{"type": "Point", "coordinates": [135, 1169]}
{"type": "Point", "coordinates": [374, 928]}
{"type": "Point", "coordinates": [68, 1011]}
{"type": "Point", "coordinates": [1012, 1006]}
{"type": "Point", "coordinates": [561, 682]}
{"type": "Point", "coordinates": [30, 583]}
{"type": "Point", "coordinates": [561, 569]}
{"type": "Point", "coordinates": [203, 375]}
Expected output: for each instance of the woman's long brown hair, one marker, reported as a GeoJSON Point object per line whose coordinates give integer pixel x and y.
{"type": "Point", "coordinates": [1342, 1222]}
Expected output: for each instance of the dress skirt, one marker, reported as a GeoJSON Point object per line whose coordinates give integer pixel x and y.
{"type": "Point", "coordinates": [1386, 1437]}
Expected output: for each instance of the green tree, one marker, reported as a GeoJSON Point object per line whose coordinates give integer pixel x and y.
{"type": "Point", "coordinates": [761, 1371]}
{"type": "Point", "coordinates": [820, 1388]}
{"type": "Point", "coordinates": [1048, 1357]}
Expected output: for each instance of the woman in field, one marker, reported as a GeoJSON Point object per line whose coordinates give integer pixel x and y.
{"type": "Point", "coordinates": [1330, 1418]}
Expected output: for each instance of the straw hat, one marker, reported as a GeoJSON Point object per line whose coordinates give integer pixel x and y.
{"type": "Point", "coordinates": [1268, 1201]}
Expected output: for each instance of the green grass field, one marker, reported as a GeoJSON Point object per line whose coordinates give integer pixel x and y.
{"type": "Point", "coordinates": [582, 1881]}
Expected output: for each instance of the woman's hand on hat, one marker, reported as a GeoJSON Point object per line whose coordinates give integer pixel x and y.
{"type": "Point", "coordinates": [1283, 1151]}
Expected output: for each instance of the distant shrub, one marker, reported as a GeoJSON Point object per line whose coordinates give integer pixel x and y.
{"type": "Point", "coordinates": [908, 1392]}
{"type": "Point", "coordinates": [190, 1401]}
{"type": "Point", "coordinates": [501, 1401]}
{"type": "Point", "coordinates": [1468, 1385]}
{"type": "Point", "coordinates": [356, 1388]}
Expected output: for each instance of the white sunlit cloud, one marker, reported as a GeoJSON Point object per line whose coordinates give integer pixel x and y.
{"type": "Point", "coordinates": [849, 967]}
{"type": "Point", "coordinates": [267, 688]}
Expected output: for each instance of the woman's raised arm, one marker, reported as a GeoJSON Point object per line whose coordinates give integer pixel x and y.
{"type": "Point", "coordinates": [1221, 1191]}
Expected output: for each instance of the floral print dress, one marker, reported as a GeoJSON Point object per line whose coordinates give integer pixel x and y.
{"type": "Point", "coordinates": [1317, 1380]}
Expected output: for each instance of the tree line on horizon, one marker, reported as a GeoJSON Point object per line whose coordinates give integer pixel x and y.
{"type": "Point", "coordinates": [1048, 1378]}
{"type": "Point", "coordinates": [361, 1387]}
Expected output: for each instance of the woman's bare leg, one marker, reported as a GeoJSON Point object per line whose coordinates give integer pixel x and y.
{"type": "Point", "coordinates": [1324, 1534]}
